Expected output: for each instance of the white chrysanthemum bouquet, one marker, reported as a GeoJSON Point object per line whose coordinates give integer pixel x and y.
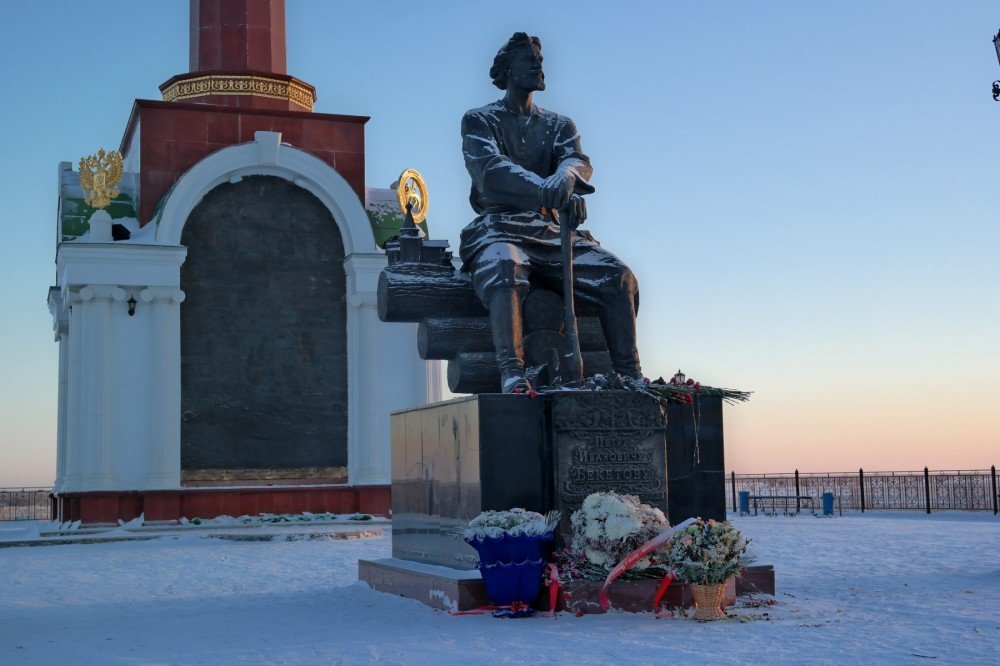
{"type": "Point", "coordinates": [513, 522]}
{"type": "Point", "coordinates": [708, 552]}
{"type": "Point", "coordinates": [608, 527]}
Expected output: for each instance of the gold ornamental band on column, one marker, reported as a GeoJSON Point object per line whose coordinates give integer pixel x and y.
{"type": "Point", "coordinates": [241, 84]}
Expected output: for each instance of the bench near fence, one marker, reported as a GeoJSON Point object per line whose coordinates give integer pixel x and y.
{"type": "Point", "coordinates": [793, 503]}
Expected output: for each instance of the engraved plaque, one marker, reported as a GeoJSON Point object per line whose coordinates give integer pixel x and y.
{"type": "Point", "coordinates": [608, 440]}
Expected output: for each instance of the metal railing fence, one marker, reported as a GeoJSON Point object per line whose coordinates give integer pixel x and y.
{"type": "Point", "coordinates": [926, 490]}
{"type": "Point", "coordinates": [25, 503]}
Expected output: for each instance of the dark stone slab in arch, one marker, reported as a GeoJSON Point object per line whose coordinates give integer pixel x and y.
{"type": "Point", "coordinates": [263, 331]}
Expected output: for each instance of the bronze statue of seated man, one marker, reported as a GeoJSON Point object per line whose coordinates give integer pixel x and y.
{"type": "Point", "coordinates": [524, 162]}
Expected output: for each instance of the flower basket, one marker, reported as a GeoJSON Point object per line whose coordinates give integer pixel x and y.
{"type": "Point", "coordinates": [510, 548]}
{"type": "Point", "coordinates": [708, 602]}
{"type": "Point", "coordinates": [511, 566]}
{"type": "Point", "coordinates": [507, 582]}
{"type": "Point", "coordinates": [707, 554]}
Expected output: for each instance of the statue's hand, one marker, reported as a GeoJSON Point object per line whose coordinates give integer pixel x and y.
{"type": "Point", "coordinates": [557, 190]}
{"type": "Point", "coordinates": [575, 211]}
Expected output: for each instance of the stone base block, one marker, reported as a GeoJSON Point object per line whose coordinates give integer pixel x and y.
{"type": "Point", "coordinates": [437, 586]}
{"type": "Point", "coordinates": [633, 596]}
{"type": "Point", "coordinates": [637, 596]}
{"type": "Point", "coordinates": [756, 580]}
{"type": "Point", "coordinates": [460, 590]}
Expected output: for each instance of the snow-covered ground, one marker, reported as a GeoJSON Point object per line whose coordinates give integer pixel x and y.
{"type": "Point", "coordinates": [886, 588]}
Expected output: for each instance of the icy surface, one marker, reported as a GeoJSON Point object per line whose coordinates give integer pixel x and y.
{"type": "Point", "coordinates": [872, 589]}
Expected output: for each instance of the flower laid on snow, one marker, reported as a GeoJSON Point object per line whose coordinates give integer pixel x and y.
{"type": "Point", "coordinates": [708, 552]}
{"type": "Point", "coordinates": [608, 527]}
{"type": "Point", "coordinates": [664, 392]}
{"type": "Point", "coordinates": [276, 518]}
{"type": "Point", "coordinates": [684, 391]}
{"type": "Point", "coordinates": [513, 522]}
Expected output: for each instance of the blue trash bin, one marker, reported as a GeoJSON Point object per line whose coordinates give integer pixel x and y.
{"type": "Point", "coordinates": [744, 502]}
{"type": "Point", "coordinates": [827, 504]}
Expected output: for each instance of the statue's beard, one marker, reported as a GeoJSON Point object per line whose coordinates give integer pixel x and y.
{"type": "Point", "coordinates": [532, 82]}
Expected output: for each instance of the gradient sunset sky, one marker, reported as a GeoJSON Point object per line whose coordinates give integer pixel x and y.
{"type": "Point", "coordinates": [807, 192]}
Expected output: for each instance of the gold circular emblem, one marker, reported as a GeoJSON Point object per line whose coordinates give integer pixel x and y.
{"type": "Point", "coordinates": [411, 189]}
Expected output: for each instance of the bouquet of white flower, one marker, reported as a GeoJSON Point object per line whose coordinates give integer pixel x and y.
{"type": "Point", "coordinates": [608, 527]}
{"type": "Point", "coordinates": [708, 553]}
{"type": "Point", "coordinates": [511, 548]}
{"type": "Point", "coordinates": [513, 522]}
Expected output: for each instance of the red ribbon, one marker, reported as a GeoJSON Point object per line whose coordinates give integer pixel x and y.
{"type": "Point", "coordinates": [661, 590]}
{"type": "Point", "coordinates": [552, 581]}
{"type": "Point", "coordinates": [482, 610]}
{"type": "Point", "coordinates": [642, 551]}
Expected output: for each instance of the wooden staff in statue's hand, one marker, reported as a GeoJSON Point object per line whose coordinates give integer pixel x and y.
{"type": "Point", "coordinates": [558, 190]}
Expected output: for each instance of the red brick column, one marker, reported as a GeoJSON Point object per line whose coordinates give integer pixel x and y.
{"type": "Point", "coordinates": [238, 35]}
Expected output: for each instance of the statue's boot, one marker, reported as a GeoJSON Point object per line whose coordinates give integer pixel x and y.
{"type": "Point", "coordinates": [618, 322]}
{"type": "Point", "coordinates": [505, 320]}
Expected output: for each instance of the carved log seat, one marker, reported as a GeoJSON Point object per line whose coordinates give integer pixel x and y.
{"type": "Point", "coordinates": [421, 285]}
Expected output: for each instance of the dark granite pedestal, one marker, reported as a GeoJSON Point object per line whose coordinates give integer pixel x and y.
{"type": "Point", "coordinates": [451, 460]}
{"type": "Point", "coordinates": [454, 459]}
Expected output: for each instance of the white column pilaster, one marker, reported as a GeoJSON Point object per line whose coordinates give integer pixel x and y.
{"type": "Point", "coordinates": [60, 326]}
{"type": "Point", "coordinates": [109, 402]}
{"type": "Point", "coordinates": [364, 455]}
{"type": "Point", "coordinates": [164, 425]}
{"type": "Point", "coordinates": [97, 371]}
{"type": "Point", "coordinates": [74, 435]}
{"type": "Point", "coordinates": [61, 409]}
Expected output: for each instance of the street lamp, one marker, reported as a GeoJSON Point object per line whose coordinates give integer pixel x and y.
{"type": "Point", "coordinates": [996, 84]}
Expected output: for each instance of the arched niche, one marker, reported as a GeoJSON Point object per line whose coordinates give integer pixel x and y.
{"type": "Point", "coordinates": [264, 369]}
{"type": "Point", "coordinates": [383, 370]}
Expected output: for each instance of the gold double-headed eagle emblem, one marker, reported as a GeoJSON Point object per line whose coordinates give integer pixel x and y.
{"type": "Point", "coordinates": [98, 176]}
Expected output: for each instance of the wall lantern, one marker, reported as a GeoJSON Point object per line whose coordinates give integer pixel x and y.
{"type": "Point", "coordinates": [131, 305]}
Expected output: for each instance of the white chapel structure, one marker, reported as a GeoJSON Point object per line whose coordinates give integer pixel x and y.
{"type": "Point", "coordinates": [219, 347]}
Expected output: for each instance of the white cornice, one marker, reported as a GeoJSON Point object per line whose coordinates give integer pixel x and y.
{"type": "Point", "coordinates": [80, 264]}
